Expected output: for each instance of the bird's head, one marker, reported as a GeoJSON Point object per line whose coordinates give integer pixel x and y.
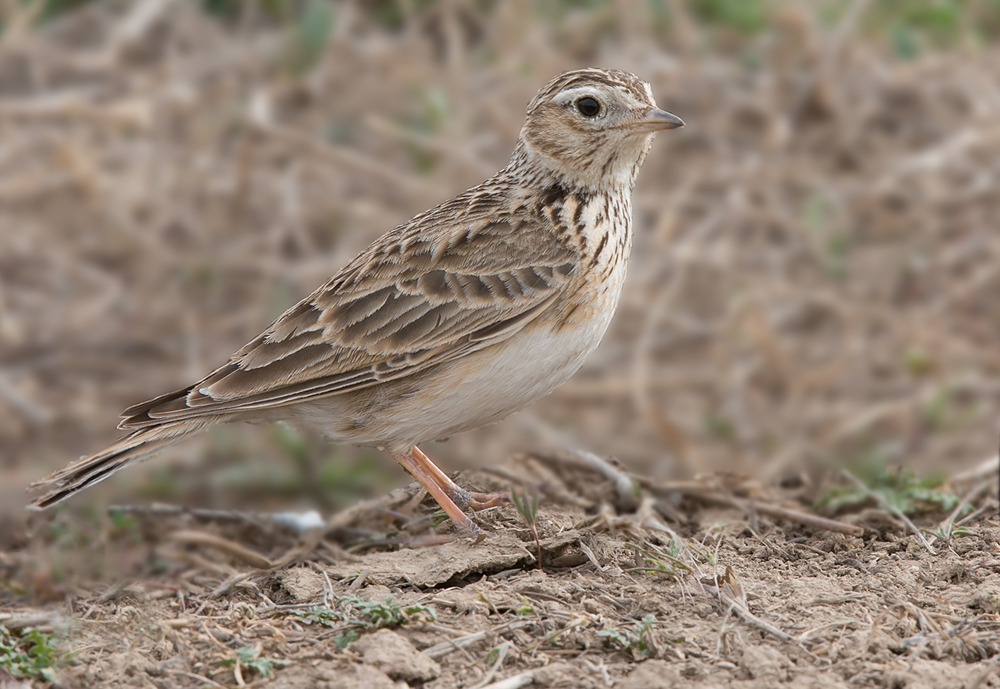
{"type": "Point", "coordinates": [591, 128]}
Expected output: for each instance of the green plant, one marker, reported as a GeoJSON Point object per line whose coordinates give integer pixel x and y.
{"type": "Point", "coordinates": [311, 33]}
{"type": "Point", "coordinates": [914, 26]}
{"type": "Point", "coordinates": [322, 615]}
{"type": "Point", "coordinates": [636, 640]}
{"type": "Point", "coordinates": [835, 255]}
{"type": "Point", "coordinates": [29, 654]}
{"type": "Point", "coordinates": [432, 112]}
{"type": "Point", "coordinates": [250, 658]}
{"type": "Point", "coordinates": [938, 409]}
{"type": "Point", "coordinates": [344, 639]}
{"type": "Point", "coordinates": [949, 530]}
{"type": "Point", "coordinates": [718, 426]}
{"type": "Point", "coordinates": [527, 506]}
{"type": "Point", "coordinates": [901, 489]}
{"type": "Point", "coordinates": [525, 608]}
{"type": "Point", "coordinates": [122, 521]}
{"type": "Point", "coordinates": [661, 560]}
{"type": "Point", "coordinates": [292, 442]}
{"type": "Point", "coordinates": [377, 614]}
{"type": "Point", "coordinates": [351, 615]}
{"type": "Point", "coordinates": [747, 16]}
{"type": "Point", "coordinates": [917, 361]}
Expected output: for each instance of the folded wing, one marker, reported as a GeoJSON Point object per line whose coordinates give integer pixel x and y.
{"type": "Point", "coordinates": [451, 281]}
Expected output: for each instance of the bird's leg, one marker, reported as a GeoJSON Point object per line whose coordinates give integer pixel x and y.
{"type": "Point", "coordinates": [429, 481]}
{"type": "Point", "coordinates": [460, 496]}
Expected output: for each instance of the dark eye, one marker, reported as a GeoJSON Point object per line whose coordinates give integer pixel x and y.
{"type": "Point", "coordinates": [588, 107]}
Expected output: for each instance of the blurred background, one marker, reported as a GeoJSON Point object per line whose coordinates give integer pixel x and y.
{"type": "Point", "coordinates": [816, 259]}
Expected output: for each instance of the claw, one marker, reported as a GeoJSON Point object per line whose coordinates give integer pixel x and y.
{"type": "Point", "coordinates": [482, 501]}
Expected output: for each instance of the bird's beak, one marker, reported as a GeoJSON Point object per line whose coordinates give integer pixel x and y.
{"type": "Point", "coordinates": [655, 120]}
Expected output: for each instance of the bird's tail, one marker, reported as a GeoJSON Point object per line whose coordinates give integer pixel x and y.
{"type": "Point", "coordinates": [135, 447]}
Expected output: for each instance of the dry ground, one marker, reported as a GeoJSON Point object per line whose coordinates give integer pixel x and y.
{"type": "Point", "coordinates": [814, 283]}
{"type": "Point", "coordinates": [725, 599]}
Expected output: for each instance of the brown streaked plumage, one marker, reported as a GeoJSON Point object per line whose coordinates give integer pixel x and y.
{"type": "Point", "coordinates": [453, 320]}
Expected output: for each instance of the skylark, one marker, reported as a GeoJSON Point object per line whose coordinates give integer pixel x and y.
{"type": "Point", "coordinates": [453, 320]}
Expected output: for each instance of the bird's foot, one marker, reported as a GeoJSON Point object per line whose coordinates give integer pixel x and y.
{"type": "Point", "coordinates": [479, 501]}
{"type": "Point", "coordinates": [452, 498]}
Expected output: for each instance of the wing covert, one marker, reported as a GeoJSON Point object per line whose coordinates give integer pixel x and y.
{"type": "Point", "coordinates": [429, 291]}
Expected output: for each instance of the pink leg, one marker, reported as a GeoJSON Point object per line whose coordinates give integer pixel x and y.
{"type": "Point", "coordinates": [428, 481]}
{"type": "Point", "coordinates": [460, 496]}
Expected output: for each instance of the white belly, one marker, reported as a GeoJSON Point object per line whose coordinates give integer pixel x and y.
{"type": "Point", "coordinates": [499, 381]}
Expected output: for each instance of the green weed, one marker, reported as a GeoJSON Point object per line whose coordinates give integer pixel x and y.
{"type": "Point", "coordinates": [719, 427]}
{"type": "Point", "coordinates": [661, 560]}
{"type": "Point", "coordinates": [917, 361]}
{"type": "Point", "coordinates": [28, 655]}
{"type": "Point", "coordinates": [746, 16]}
{"type": "Point", "coordinates": [904, 490]}
{"type": "Point", "coordinates": [527, 506]}
{"type": "Point", "coordinates": [946, 532]}
{"type": "Point", "coordinates": [311, 33]}
{"type": "Point", "coordinates": [344, 639]}
{"type": "Point", "coordinates": [352, 615]}
{"type": "Point", "coordinates": [525, 608]}
{"type": "Point", "coordinates": [635, 640]}
{"type": "Point", "coordinates": [250, 658]}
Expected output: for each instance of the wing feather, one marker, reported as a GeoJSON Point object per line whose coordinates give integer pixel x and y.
{"type": "Point", "coordinates": [453, 280]}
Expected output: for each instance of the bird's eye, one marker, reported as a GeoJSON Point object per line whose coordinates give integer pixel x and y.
{"type": "Point", "coordinates": [588, 107]}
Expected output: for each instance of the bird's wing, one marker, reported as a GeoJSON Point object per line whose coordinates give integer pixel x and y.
{"type": "Point", "coordinates": [451, 281]}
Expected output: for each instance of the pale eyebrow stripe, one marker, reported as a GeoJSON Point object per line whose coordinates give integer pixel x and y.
{"type": "Point", "coordinates": [571, 94]}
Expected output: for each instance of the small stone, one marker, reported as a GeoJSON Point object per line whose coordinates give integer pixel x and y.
{"type": "Point", "coordinates": [395, 656]}
{"type": "Point", "coordinates": [302, 584]}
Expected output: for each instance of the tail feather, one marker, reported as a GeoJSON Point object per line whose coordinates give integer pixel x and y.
{"type": "Point", "coordinates": [137, 416]}
{"type": "Point", "coordinates": [135, 447]}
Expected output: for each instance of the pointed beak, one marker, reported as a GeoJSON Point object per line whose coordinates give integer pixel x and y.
{"type": "Point", "coordinates": [655, 120]}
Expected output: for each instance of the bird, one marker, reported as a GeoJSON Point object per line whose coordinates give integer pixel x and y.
{"type": "Point", "coordinates": [451, 321]}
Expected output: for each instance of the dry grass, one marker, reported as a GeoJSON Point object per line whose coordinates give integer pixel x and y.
{"type": "Point", "coordinates": [813, 282]}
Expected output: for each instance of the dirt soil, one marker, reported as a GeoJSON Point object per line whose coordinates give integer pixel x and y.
{"type": "Point", "coordinates": [727, 598]}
